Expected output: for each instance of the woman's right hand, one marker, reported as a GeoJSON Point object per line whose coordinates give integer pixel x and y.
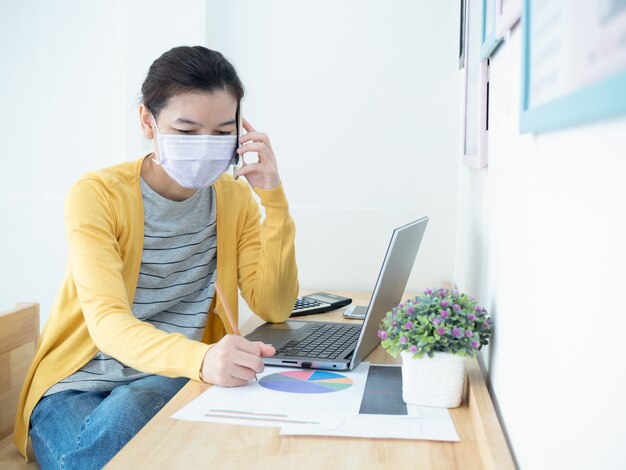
{"type": "Point", "coordinates": [234, 360]}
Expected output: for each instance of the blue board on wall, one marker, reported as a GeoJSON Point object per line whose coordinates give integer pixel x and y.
{"type": "Point", "coordinates": [573, 63]}
{"type": "Point", "coordinates": [489, 42]}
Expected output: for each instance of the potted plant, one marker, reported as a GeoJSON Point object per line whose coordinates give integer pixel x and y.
{"type": "Point", "coordinates": [434, 334]}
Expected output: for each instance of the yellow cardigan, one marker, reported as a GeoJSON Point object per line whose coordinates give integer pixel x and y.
{"type": "Point", "coordinates": [104, 222]}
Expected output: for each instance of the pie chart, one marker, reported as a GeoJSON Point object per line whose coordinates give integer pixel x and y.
{"type": "Point", "coordinates": [305, 381]}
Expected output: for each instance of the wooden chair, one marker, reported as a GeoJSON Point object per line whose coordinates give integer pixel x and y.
{"type": "Point", "coordinates": [19, 331]}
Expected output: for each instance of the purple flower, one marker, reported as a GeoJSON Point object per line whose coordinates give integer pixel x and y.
{"type": "Point", "coordinates": [456, 332]}
{"type": "Point", "coordinates": [455, 291]}
{"type": "Point", "coordinates": [428, 291]}
{"type": "Point", "coordinates": [442, 294]}
{"type": "Point", "coordinates": [382, 334]}
{"type": "Point", "coordinates": [456, 307]}
{"type": "Point", "coordinates": [436, 321]}
{"type": "Point", "coordinates": [393, 323]}
{"type": "Point", "coordinates": [413, 349]}
{"type": "Point", "coordinates": [402, 339]}
{"type": "Point", "coordinates": [469, 333]}
{"type": "Point", "coordinates": [444, 314]}
{"type": "Point", "coordinates": [479, 309]}
{"type": "Point", "coordinates": [475, 344]}
{"type": "Point", "coordinates": [471, 317]}
{"type": "Point", "coordinates": [408, 325]}
{"type": "Point", "coordinates": [487, 324]}
{"type": "Point", "coordinates": [441, 331]}
{"type": "Point", "coordinates": [410, 310]}
{"type": "Point", "coordinates": [445, 304]}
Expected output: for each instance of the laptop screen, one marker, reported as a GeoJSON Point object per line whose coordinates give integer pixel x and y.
{"type": "Point", "coordinates": [392, 279]}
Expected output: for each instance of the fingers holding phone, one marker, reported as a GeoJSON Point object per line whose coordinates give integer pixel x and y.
{"type": "Point", "coordinates": [262, 174]}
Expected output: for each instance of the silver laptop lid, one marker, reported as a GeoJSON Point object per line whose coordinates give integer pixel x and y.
{"type": "Point", "coordinates": [390, 285]}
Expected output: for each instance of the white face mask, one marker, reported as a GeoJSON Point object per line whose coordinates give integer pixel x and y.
{"type": "Point", "coordinates": [195, 161]}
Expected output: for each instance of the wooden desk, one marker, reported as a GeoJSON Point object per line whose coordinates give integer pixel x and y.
{"type": "Point", "coordinates": [168, 443]}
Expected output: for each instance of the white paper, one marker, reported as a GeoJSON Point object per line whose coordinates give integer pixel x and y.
{"type": "Point", "coordinates": [255, 405]}
{"type": "Point", "coordinates": [434, 424]}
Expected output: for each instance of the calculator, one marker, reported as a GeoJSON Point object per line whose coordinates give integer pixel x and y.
{"type": "Point", "coordinates": [319, 302]}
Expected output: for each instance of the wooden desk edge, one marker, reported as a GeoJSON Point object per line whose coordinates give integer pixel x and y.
{"type": "Point", "coordinates": [494, 450]}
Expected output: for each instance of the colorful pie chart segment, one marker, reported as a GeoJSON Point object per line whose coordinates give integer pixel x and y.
{"type": "Point", "coordinates": [306, 381]}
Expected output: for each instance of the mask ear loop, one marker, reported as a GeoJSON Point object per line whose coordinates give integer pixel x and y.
{"type": "Point", "coordinates": [156, 159]}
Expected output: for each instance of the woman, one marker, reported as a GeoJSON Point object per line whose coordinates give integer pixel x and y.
{"type": "Point", "coordinates": [136, 316]}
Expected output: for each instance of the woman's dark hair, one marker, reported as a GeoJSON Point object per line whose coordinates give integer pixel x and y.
{"type": "Point", "coordinates": [187, 69]}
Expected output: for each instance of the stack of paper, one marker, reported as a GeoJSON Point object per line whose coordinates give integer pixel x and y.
{"type": "Point", "coordinates": [366, 402]}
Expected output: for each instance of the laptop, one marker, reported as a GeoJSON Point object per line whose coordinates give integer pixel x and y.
{"type": "Point", "coordinates": [342, 346]}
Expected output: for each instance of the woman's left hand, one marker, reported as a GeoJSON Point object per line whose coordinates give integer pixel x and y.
{"type": "Point", "coordinates": [264, 173]}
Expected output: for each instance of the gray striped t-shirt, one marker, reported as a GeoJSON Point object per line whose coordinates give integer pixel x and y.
{"type": "Point", "coordinates": [175, 285]}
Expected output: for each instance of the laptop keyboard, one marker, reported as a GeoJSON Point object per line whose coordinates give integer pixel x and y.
{"type": "Point", "coordinates": [324, 341]}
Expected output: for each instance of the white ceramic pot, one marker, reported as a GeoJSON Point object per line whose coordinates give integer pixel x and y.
{"type": "Point", "coordinates": [436, 381]}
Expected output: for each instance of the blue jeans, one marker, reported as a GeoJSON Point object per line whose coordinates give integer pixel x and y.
{"type": "Point", "coordinates": [84, 430]}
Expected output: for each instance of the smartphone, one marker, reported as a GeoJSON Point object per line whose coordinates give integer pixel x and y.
{"type": "Point", "coordinates": [237, 158]}
{"type": "Point", "coordinates": [355, 312]}
{"type": "Point", "coordinates": [319, 302]}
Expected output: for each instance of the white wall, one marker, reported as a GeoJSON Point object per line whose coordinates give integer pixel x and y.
{"type": "Point", "coordinates": [62, 96]}
{"type": "Point", "coordinates": [70, 77]}
{"type": "Point", "coordinates": [356, 97]}
{"type": "Point", "coordinates": [541, 243]}
{"type": "Point", "coordinates": [360, 100]}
